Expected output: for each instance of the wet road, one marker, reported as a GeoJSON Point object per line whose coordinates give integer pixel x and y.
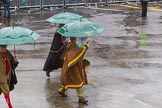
{"type": "Point", "coordinates": [125, 60]}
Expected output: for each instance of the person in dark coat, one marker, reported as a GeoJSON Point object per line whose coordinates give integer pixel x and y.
{"type": "Point", "coordinates": [54, 59]}
{"type": "Point", "coordinates": [6, 62]}
{"type": "Point", "coordinates": [144, 7]}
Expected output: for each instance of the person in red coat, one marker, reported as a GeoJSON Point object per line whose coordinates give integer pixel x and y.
{"type": "Point", "coordinates": [6, 73]}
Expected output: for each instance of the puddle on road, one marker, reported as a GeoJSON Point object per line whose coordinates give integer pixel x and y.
{"type": "Point", "coordinates": [114, 51]}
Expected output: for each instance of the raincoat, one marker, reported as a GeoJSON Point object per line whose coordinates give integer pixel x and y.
{"type": "Point", "coordinates": [54, 59]}
{"type": "Point", "coordinates": [73, 74]}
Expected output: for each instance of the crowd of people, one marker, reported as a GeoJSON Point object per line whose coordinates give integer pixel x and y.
{"type": "Point", "coordinates": [64, 53]}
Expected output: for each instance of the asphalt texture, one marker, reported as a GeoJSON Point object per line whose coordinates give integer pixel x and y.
{"type": "Point", "coordinates": [125, 69]}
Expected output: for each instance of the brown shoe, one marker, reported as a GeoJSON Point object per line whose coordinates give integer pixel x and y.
{"type": "Point", "coordinates": [83, 101]}
{"type": "Point", "coordinates": [62, 94]}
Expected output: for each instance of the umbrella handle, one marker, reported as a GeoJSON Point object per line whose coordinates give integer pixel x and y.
{"type": "Point", "coordinates": [14, 51]}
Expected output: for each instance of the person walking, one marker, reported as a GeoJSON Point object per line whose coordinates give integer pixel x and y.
{"type": "Point", "coordinates": [73, 73]}
{"type": "Point", "coordinates": [54, 59]}
{"type": "Point", "coordinates": [6, 4]}
{"type": "Point", "coordinates": [6, 60]}
{"type": "Point", "coordinates": [144, 7]}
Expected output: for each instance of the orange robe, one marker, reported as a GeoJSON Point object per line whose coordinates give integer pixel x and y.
{"type": "Point", "coordinates": [73, 74]}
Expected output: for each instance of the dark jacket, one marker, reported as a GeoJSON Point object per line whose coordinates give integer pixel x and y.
{"type": "Point", "coordinates": [13, 73]}
{"type": "Point", "coordinates": [54, 59]}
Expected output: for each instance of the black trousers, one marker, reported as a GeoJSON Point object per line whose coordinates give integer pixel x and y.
{"type": "Point", "coordinates": [144, 9]}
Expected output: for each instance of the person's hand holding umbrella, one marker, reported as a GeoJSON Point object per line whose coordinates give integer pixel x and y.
{"type": "Point", "coordinates": [88, 43]}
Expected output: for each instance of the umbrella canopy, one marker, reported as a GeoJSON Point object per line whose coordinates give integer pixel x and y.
{"type": "Point", "coordinates": [64, 18]}
{"type": "Point", "coordinates": [17, 35]}
{"type": "Point", "coordinates": [82, 28]}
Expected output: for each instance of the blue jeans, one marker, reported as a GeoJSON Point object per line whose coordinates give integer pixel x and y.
{"type": "Point", "coordinates": [6, 10]}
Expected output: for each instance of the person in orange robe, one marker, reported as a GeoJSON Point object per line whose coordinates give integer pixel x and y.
{"type": "Point", "coordinates": [73, 73]}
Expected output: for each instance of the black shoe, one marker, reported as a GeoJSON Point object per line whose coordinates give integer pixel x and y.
{"type": "Point", "coordinates": [143, 16]}
{"type": "Point", "coordinates": [83, 101]}
{"type": "Point", "coordinates": [62, 94]}
{"type": "Point", "coordinates": [48, 74]}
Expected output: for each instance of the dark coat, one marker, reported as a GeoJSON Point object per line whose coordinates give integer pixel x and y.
{"type": "Point", "coordinates": [13, 73]}
{"type": "Point", "coordinates": [54, 59]}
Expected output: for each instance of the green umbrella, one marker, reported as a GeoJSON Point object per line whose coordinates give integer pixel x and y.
{"type": "Point", "coordinates": [64, 18]}
{"type": "Point", "coordinates": [17, 35]}
{"type": "Point", "coordinates": [82, 28]}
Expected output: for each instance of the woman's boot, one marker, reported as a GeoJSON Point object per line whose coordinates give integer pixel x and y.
{"type": "Point", "coordinates": [7, 97]}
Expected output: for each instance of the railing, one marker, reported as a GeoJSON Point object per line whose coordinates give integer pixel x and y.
{"type": "Point", "coordinates": [18, 4]}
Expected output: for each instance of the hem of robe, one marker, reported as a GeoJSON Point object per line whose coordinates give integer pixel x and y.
{"type": "Point", "coordinates": [74, 86]}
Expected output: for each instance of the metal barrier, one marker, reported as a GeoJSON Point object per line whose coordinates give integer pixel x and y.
{"type": "Point", "coordinates": [18, 4]}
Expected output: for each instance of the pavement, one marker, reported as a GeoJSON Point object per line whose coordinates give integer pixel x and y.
{"type": "Point", "coordinates": [125, 69]}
